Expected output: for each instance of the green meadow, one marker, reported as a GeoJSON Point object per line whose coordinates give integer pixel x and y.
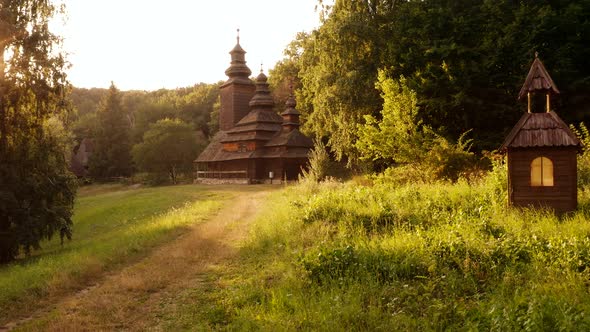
{"type": "Point", "coordinates": [113, 225]}
{"type": "Point", "coordinates": [337, 256]}
{"type": "Point", "coordinates": [349, 257]}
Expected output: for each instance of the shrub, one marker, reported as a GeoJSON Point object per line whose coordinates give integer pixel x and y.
{"type": "Point", "coordinates": [583, 158]}
{"type": "Point", "coordinates": [319, 163]}
{"type": "Point", "coordinates": [346, 264]}
{"type": "Point", "coordinates": [496, 181]}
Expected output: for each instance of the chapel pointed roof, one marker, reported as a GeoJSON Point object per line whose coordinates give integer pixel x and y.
{"type": "Point", "coordinates": [538, 80]}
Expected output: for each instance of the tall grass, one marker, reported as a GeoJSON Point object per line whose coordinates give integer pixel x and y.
{"type": "Point", "coordinates": [420, 257]}
{"type": "Point", "coordinates": [111, 225]}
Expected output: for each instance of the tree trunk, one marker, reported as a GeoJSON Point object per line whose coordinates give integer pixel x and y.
{"type": "Point", "coordinates": [6, 241]}
{"type": "Point", "coordinates": [3, 120]}
{"type": "Point", "coordinates": [172, 172]}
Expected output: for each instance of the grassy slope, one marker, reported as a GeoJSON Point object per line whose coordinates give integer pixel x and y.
{"type": "Point", "coordinates": [112, 224]}
{"type": "Point", "coordinates": [432, 257]}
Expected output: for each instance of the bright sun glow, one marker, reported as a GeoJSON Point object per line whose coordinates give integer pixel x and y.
{"type": "Point", "coordinates": [148, 44]}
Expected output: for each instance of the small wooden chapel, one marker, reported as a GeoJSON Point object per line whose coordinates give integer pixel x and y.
{"type": "Point", "coordinates": [541, 150]}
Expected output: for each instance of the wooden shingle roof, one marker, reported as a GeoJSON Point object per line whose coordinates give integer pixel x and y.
{"type": "Point", "coordinates": [538, 80]}
{"type": "Point", "coordinates": [214, 151]}
{"type": "Point", "coordinates": [249, 136]}
{"type": "Point", "coordinates": [540, 130]}
{"type": "Point", "coordinates": [293, 138]}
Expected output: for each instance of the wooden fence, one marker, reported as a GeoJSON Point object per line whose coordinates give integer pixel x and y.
{"type": "Point", "coordinates": [222, 174]}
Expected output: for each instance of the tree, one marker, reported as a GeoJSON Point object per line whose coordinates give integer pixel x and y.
{"type": "Point", "coordinates": [339, 64]}
{"type": "Point", "coordinates": [213, 123]}
{"type": "Point", "coordinates": [399, 136]}
{"type": "Point", "coordinates": [319, 163]}
{"type": "Point", "coordinates": [196, 106]}
{"type": "Point", "coordinates": [465, 59]}
{"type": "Point", "coordinates": [169, 147]}
{"type": "Point", "coordinates": [112, 146]}
{"type": "Point", "coordinates": [284, 77]}
{"type": "Point", "coordinates": [36, 190]}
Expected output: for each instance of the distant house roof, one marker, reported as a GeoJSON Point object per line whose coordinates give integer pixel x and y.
{"type": "Point", "coordinates": [80, 157]}
{"type": "Point", "coordinates": [77, 168]}
{"type": "Point", "coordinates": [540, 130]}
{"type": "Point", "coordinates": [538, 80]}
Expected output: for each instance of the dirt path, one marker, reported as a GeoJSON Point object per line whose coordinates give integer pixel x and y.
{"type": "Point", "coordinates": [135, 297]}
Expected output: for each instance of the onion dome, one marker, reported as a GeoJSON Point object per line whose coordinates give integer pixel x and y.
{"type": "Point", "coordinates": [262, 98]}
{"type": "Point", "coordinates": [290, 115]}
{"type": "Point", "coordinates": [291, 104]}
{"type": "Point", "coordinates": [238, 68]}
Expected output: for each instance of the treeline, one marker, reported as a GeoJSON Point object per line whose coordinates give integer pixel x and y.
{"type": "Point", "coordinates": [464, 59]}
{"type": "Point", "coordinates": [159, 132]}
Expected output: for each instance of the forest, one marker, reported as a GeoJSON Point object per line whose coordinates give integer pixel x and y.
{"type": "Point", "coordinates": [132, 129]}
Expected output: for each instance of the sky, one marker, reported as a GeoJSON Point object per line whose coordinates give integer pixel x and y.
{"type": "Point", "coordinates": [149, 44]}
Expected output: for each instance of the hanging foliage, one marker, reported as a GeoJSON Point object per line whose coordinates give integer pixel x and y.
{"type": "Point", "coordinates": [36, 189]}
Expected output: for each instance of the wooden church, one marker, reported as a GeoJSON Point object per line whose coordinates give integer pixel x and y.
{"type": "Point", "coordinates": [541, 150]}
{"type": "Point", "coordinates": [254, 143]}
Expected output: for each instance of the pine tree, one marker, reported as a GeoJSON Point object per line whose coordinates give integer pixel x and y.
{"type": "Point", "coordinates": [112, 154]}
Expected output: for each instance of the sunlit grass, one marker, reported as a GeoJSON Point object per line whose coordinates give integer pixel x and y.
{"type": "Point", "coordinates": [111, 225]}
{"type": "Point", "coordinates": [417, 257]}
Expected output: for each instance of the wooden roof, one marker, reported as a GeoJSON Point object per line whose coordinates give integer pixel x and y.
{"type": "Point", "coordinates": [538, 80]}
{"type": "Point", "coordinates": [294, 153]}
{"type": "Point", "coordinates": [249, 136]}
{"type": "Point", "coordinates": [292, 138]}
{"type": "Point", "coordinates": [540, 130]}
{"type": "Point", "coordinates": [258, 117]}
{"type": "Point", "coordinates": [297, 145]}
{"type": "Point", "coordinates": [214, 151]}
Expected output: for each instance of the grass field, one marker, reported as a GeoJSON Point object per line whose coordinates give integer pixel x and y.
{"type": "Point", "coordinates": [112, 225]}
{"type": "Point", "coordinates": [329, 256]}
{"type": "Point", "coordinates": [345, 257]}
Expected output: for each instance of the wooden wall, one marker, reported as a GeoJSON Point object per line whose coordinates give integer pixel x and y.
{"type": "Point", "coordinates": [258, 169]}
{"type": "Point", "coordinates": [562, 196]}
{"type": "Point", "coordinates": [237, 146]}
{"type": "Point", "coordinates": [234, 99]}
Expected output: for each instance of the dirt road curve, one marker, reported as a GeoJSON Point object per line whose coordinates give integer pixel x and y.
{"type": "Point", "coordinates": [135, 297]}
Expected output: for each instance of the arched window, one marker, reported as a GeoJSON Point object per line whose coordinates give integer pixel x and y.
{"type": "Point", "coordinates": [542, 172]}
